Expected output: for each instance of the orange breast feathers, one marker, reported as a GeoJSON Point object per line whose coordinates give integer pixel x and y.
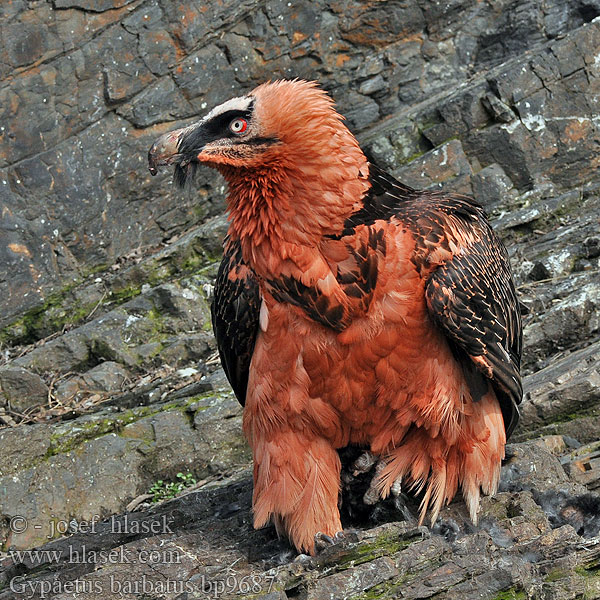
{"type": "Point", "coordinates": [360, 361]}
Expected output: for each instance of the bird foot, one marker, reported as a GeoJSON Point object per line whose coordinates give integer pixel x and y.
{"type": "Point", "coordinates": [324, 541]}
{"type": "Point", "coordinates": [370, 463]}
{"type": "Point", "coordinates": [364, 463]}
{"type": "Point", "coordinates": [373, 495]}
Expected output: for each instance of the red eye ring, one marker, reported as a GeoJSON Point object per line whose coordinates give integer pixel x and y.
{"type": "Point", "coordinates": [238, 126]}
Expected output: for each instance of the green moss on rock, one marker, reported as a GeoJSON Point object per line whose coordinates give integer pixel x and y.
{"type": "Point", "coordinates": [555, 575]}
{"type": "Point", "coordinates": [61, 308]}
{"type": "Point", "coordinates": [387, 590]}
{"type": "Point", "coordinates": [41, 320]}
{"type": "Point", "coordinates": [72, 438]}
{"type": "Point", "coordinates": [385, 544]}
{"type": "Point", "coordinates": [511, 594]}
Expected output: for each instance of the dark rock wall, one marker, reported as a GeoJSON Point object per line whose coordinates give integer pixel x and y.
{"type": "Point", "coordinates": [86, 85]}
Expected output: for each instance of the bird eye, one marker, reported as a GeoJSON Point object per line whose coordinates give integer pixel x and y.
{"type": "Point", "coordinates": [238, 125]}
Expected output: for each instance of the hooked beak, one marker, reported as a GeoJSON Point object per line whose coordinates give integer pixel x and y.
{"type": "Point", "coordinates": [167, 150]}
{"type": "Point", "coordinates": [164, 151]}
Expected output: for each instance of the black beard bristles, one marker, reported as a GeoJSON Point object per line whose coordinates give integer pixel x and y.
{"type": "Point", "coordinates": [184, 176]}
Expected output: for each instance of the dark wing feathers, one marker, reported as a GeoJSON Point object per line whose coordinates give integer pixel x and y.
{"type": "Point", "coordinates": [235, 314]}
{"type": "Point", "coordinates": [357, 279]}
{"type": "Point", "coordinates": [471, 296]}
{"type": "Point", "coordinates": [483, 319]}
{"type": "Point", "coordinates": [314, 303]}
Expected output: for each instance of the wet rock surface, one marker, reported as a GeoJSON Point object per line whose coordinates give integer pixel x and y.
{"type": "Point", "coordinates": [109, 380]}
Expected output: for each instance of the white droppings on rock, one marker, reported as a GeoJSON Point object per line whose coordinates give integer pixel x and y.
{"type": "Point", "coordinates": [534, 122]}
{"type": "Point", "coordinates": [187, 372]}
{"type": "Point", "coordinates": [131, 319]}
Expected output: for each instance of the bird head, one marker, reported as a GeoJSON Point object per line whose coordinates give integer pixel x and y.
{"type": "Point", "coordinates": [291, 122]}
{"type": "Point", "coordinates": [295, 172]}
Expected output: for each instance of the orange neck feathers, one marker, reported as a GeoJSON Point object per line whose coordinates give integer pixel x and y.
{"type": "Point", "coordinates": [307, 184]}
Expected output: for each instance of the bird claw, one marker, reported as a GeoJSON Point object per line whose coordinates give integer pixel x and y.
{"type": "Point", "coordinates": [364, 463]}
{"type": "Point", "coordinates": [322, 541]}
{"type": "Point", "coordinates": [340, 536]}
{"type": "Point", "coordinates": [373, 495]}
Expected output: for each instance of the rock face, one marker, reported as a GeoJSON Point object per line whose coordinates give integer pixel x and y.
{"type": "Point", "coordinates": [85, 86]}
{"type": "Point", "coordinates": [109, 380]}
